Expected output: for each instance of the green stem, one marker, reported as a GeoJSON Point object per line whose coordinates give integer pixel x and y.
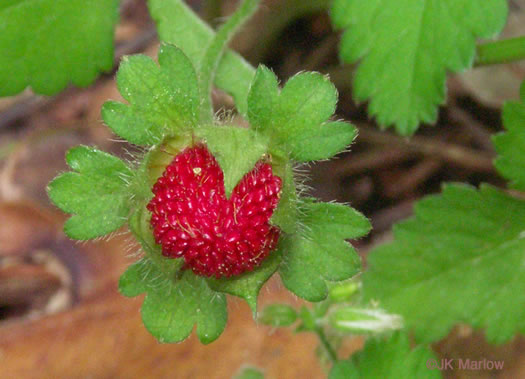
{"type": "Point", "coordinates": [215, 51]}
{"type": "Point", "coordinates": [504, 51]}
{"type": "Point", "coordinates": [326, 344]}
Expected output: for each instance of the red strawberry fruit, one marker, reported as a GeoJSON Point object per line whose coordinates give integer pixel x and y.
{"type": "Point", "coordinates": [193, 219]}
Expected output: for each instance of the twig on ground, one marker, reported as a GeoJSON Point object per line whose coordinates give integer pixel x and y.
{"type": "Point", "coordinates": [478, 132]}
{"type": "Point", "coordinates": [466, 157]}
{"type": "Point", "coordinates": [413, 178]}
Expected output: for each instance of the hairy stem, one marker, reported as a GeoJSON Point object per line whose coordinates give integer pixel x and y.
{"type": "Point", "coordinates": [504, 51]}
{"type": "Point", "coordinates": [216, 50]}
{"type": "Point", "coordinates": [326, 344]}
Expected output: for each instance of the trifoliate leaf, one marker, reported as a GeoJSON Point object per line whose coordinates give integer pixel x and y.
{"type": "Point", "coordinates": [186, 296]}
{"type": "Point", "coordinates": [321, 253]}
{"type": "Point", "coordinates": [296, 117]}
{"type": "Point", "coordinates": [248, 285]}
{"type": "Point", "coordinates": [236, 150]}
{"type": "Point", "coordinates": [164, 100]}
{"type": "Point", "coordinates": [511, 144]}
{"type": "Point", "coordinates": [95, 193]}
{"type": "Point", "coordinates": [177, 24]}
{"type": "Point", "coordinates": [391, 358]}
{"type": "Point", "coordinates": [405, 48]}
{"type": "Point", "coordinates": [174, 305]}
{"type": "Point", "coordinates": [47, 44]}
{"type": "Point", "coordinates": [460, 259]}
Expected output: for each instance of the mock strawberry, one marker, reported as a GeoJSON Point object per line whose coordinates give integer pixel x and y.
{"type": "Point", "coordinates": [192, 218]}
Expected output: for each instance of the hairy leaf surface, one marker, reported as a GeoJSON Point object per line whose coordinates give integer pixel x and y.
{"type": "Point", "coordinates": [460, 259]}
{"type": "Point", "coordinates": [46, 44]}
{"type": "Point", "coordinates": [405, 48]}
{"type": "Point", "coordinates": [95, 192]}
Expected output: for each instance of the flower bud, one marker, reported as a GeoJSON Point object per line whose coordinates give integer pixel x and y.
{"type": "Point", "coordinates": [278, 315]}
{"type": "Point", "coordinates": [359, 321]}
{"type": "Point", "coordinates": [343, 292]}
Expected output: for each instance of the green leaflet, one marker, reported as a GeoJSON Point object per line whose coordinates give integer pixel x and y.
{"type": "Point", "coordinates": [139, 225]}
{"type": "Point", "coordinates": [405, 48]}
{"type": "Point", "coordinates": [322, 142]}
{"type": "Point", "coordinates": [96, 193]}
{"type": "Point", "coordinates": [306, 100]}
{"type": "Point", "coordinates": [177, 24]}
{"type": "Point", "coordinates": [391, 358]}
{"type": "Point", "coordinates": [263, 98]}
{"type": "Point", "coordinates": [229, 146]}
{"type": "Point", "coordinates": [164, 100]}
{"type": "Point", "coordinates": [511, 144]}
{"type": "Point", "coordinates": [285, 215]}
{"type": "Point", "coordinates": [296, 117]}
{"type": "Point", "coordinates": [139, 278]}
{"type": "Point", "coordinates": [174, 305]}
{"type": "Point", "coordinates": [321, 254]}
{"type": "Point", "coordinates": [175, 300]}
{"type": "Point", "coordinates": [463, 252]}
{"type": "Point", "coordinates": [47, 44]}
{"type": "Point", "coordinates": [248, 285]}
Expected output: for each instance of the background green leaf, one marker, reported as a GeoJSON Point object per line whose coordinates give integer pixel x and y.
{"type": "Point", "coordinates": [391, 358]}
{"type": "Point", "coordinates": [511, 144]}
{"type": "Point", "coordinates": [164, 100]}
{"type": "Point", "coordinates": [405, 48]}
{"type": "Point", "coordinates": [96, 193]}
{"type": "Point", "coordinates": [47, 44]}
{"type": "Point", "coordinates": [463, 252]}
{"type": "Point", "coordinates": [321, 252]}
